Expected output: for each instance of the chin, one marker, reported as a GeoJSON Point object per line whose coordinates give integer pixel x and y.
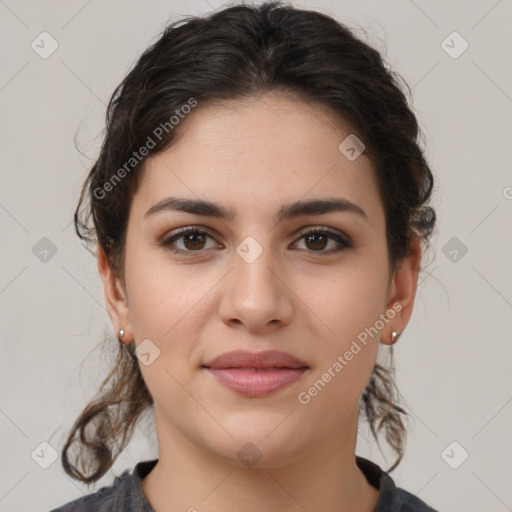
{"type": "Point", "coordinates": [258, 444]}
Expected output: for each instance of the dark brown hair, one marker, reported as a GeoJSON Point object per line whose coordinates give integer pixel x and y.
{"type": "Point", "coordinates": [235, 53]}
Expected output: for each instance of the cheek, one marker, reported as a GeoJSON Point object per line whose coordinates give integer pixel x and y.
{"type": "Point", "coordinates": [347, 301]}
{"type": "Point", "coordinates": [168, 305]}
{"type": "Point", "coordinates": [348, 311]}
{"type": "Point", "coordinates": [161, 295]}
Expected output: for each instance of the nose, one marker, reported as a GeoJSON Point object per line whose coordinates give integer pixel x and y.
{"type": "Point", "coordinates": [256, 295]}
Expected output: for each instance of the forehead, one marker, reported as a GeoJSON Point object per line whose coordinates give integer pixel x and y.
{"type": "Point", "coordinates": [255, 154]}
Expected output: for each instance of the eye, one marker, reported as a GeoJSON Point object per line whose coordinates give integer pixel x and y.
{"type": "Point", "coordinates": [193, 239]}
{"type": "Point", "coordinates": [317, 239]}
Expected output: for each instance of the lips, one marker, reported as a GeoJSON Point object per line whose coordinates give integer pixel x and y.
{"type": "Point", "coordinates": [255, 360]}
{"type": "Point", "coordinates": [256, 374]}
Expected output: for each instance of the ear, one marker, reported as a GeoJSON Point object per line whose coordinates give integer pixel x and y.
{"type": "Point", "coordinates": [402, 292]}
{"type": "Point", "coordinates": [115, 297]}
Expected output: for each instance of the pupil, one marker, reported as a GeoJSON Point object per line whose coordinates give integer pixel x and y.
{"type": "Point", "coordinates": [322, 237]}
{"type": "Point", "coordinates": [194, 238]}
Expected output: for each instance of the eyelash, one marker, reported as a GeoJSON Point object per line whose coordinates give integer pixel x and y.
{"type": "Point", "coordinates": [343, 240]}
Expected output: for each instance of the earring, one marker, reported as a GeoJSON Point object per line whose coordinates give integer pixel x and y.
{"type": "Point", "coordinates": [129, 346]}
{"type": "Point", "coordinates": [395, 335]}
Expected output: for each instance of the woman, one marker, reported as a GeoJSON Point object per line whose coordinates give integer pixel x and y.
{"type": "Point", "coordinates": [259, 204]}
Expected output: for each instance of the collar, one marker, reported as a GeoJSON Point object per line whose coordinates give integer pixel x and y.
{"type": "Point", "coordinates": [389, 498]}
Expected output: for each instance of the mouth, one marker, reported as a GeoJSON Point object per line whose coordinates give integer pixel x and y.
{"type": "Point", "coordinates": [268, 359]}
{"type": "Point", "coordinates": [257, 370]}
{"type": "Point", "coordinates": [256, 374]}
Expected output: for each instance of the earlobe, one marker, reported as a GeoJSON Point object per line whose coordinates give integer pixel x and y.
{"type": "Point", "coordinates": [115, 296]}
{"type": "Point", "coordinates": [404, 284]}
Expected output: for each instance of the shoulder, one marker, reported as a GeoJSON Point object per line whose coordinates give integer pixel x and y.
{"type": "Point", "coordinates": [123, 495]}
{"type": "Point", "coordinates": [108, 498]}
{"type": "Point", "coordinates": [391, 498]}
{"type": "Point", "coordinates": [411, 503]}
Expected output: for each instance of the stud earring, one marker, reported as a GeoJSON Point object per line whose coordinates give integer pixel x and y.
{"type": "Point", "coordinates": [395, 335]}
{"type": "Point", "coordinates": [129, 346]}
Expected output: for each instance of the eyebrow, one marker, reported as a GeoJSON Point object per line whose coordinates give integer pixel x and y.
{"type": "Point", "coordinates": [286, 212]}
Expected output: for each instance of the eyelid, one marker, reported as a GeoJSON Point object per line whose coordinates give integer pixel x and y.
{"type": "Point", "coordinates": [323, 229]}
{"type": "Point", "coordinates": [339, 236]}
{"type": "Point", "coordinates": [179, 232]}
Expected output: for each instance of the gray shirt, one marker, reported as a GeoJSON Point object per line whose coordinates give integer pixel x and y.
{"type": "Point", "coordinates": [125, 494]}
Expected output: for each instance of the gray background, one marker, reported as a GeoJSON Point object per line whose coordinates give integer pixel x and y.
{"type": "Point", "coordinates": [454, 359]}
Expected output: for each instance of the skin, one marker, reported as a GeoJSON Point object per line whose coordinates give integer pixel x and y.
{"type": "Point", "coordinates": [253, 156]}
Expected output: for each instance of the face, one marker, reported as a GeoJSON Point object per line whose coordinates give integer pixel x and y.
{"type": "Point", "coordinates": [259, 280]}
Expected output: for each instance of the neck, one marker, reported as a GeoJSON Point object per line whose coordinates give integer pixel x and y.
{"type": "Point", "coordinates": [322, 477]}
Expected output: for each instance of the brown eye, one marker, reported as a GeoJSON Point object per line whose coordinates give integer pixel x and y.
{"type": "Point", "coordinates": [194, 241]}
{"type": "Point", "coordinates": [191, 240]}
{"type": "Point", "coordinates": [317, 240]}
